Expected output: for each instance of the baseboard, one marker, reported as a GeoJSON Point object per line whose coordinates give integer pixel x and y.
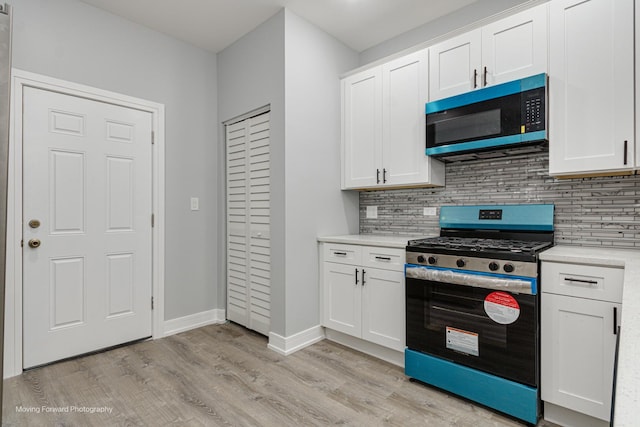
{"type": "Point", "coordinates": [568, 418]}
{"type": "Point", "coordinates": [192, 321]}
{"type": "Point", "coordinates": [295, 342]}
{"type": "Point", "coordinates": [388, 355]}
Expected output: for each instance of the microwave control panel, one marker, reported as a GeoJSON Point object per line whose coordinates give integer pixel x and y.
{"type": "Point", "coordinates": [533, 110]}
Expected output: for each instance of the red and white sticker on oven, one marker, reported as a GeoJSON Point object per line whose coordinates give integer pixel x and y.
{"type": "Point", "coordinates": [502, 308]}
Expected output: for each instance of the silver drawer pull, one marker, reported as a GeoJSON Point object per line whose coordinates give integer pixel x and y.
{"type": "Point", "coordinates": [340, 253]}
{"type": "Point", "coordinates": [383, 258]}
{"type": "Point", "coordinates": [588, 282]}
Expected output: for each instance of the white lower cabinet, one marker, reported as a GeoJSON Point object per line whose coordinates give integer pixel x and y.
{"type": "Point", "coordinates": [581, 309]}
{"type": "Point", "coordinates": [363, 293]}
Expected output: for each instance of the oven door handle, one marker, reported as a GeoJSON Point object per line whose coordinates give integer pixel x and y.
{"type": "Point", "coordinates": [521, 285]}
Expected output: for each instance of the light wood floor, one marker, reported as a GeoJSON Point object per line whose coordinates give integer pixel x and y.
{"type": "Point", "coordinates": [225, 375]}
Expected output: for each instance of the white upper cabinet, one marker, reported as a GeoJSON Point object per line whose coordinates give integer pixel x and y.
{"type": "Point", "coordinates": [454, 65]}
{"type": "Point", "coordinates": [509, 49]}
{"type": "Point", "coordinates": [591, 81]}
{"type": "Point", "coordinates": [384, 126]}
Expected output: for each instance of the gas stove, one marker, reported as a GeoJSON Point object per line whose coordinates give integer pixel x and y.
{"type": "Point", "coordinates": [472, 305]}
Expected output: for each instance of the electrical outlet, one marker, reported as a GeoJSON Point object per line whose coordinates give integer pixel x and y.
{"type": "Point", "coordinates": [195, 204]}
{"type": "Point", "coordinates": [430, 211]}
{"type": "Point", "coordinates": [372, 212]}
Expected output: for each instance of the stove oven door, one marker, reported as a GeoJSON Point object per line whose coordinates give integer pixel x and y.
{"type": "Point", "coordinates": [492, 330]}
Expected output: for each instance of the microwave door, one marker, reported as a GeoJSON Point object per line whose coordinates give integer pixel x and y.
{"type": "Point", "coordinates": [465, 127]}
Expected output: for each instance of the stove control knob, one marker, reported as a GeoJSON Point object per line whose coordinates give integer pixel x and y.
{"type": "Point", "coordinates": [432, 260]}
{"type": "Point", "coordinates": [493, 266]}
{"type": "Point", "coordinates": [461, 263]}
{"type": "Point", "coordinates": [508, 268]}
{"type": "Point", "coordinates": [420, 259]}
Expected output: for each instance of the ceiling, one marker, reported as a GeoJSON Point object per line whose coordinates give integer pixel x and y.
{"type": "Point", "coordinates": [215, 24]}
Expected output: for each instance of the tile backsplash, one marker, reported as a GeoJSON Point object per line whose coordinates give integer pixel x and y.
{"type": "Point", "coordinates": [601, 211]}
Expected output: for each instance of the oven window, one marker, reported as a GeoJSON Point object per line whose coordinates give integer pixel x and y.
{"type": "Point", "coordinates": [476, 125]}
{"type": "Point", "coordinates": [467, 313]}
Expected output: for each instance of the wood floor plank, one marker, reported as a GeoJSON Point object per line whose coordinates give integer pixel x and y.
{"type": "Point", "coordinates": [224, 375]}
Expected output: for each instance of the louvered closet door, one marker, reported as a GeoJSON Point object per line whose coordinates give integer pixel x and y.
{"type": "Point", "coordinates": [248, 223]}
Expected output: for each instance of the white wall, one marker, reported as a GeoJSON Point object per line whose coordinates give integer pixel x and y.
{"type": "Point", "coordinates": [315, 206]}
{"type": "Point", "coordinates": [293, 66]}
{"type": "Point", "coordinates": [467, 15]}
{"type": "Point", "coordinates": [251, 75]}
{"type": "Point", "coordinates": [72, 41]}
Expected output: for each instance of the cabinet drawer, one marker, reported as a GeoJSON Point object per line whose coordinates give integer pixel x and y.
{"type": "Point", "coordinates": [344, 254]}
{"type": "Point", "coordinates": [585, 281]}
{"type": "Point", "coordinates": [384, 258]}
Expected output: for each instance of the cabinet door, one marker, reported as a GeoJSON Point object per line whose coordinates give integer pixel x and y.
{"type": "Point", "coordinates": [404, 94]}
{"type": "Point", "coordinates": [343, 298]}
{"type": "Point", "coordinates": [362, 128]}
{"type": "Point", "coordinates": [454, 65]}
{"type": "Point", "coordinates": [383, 315]}
{"type": "Point", "coordinates": [591, 103]}
{"type": "Point", "coordinates": [578, 349]}
{"type": "Point", "coordinates": [515, 47]}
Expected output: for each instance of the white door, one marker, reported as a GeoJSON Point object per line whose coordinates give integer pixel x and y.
{"type": "Point", "coordinates": [88, 182]}
{"type": "Point", "coordinates": [249, 223]}
{"type": "Point", "coordinates": [578, 351]}
{"type": "Point", "coordinates": [515, 47]}
{"type": "Point", "coordinates": [454, 65]}
{"type": "Point", "coordinates": [362, 129]}
{"type": "Point", "coordinates": [404, 88]}
{"type": "Point", "coordinates": [383, 312]}
{"type": "Point", "coordinates": [343, 298]}
{"type": "Point", "coordinates": [591, 81]}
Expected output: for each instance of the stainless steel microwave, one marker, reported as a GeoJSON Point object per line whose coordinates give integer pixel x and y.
{"type": "Point", "coordinates": [496, 120]}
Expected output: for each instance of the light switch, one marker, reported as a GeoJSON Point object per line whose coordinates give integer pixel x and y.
{"type": "Point", "coordinates": [195, 204]}
{"type": "Point", "coordinates": [372, 212]}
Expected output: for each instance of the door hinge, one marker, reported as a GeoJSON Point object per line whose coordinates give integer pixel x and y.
{"type": "Point", "coordinates": [151, 303]}
{"type": "Point", "coordinates": [153, 220]}
{"type": "Point", "coordinates": [153, 137]}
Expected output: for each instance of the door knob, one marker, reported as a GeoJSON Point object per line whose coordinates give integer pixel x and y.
{"type": "Point", "coordinates": [34, 243]}
{"type": "Point", "coordinates": [34, 223]}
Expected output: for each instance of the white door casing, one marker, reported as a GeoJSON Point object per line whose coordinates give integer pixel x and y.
{"type": "Point", "coordinates": [21, 80]}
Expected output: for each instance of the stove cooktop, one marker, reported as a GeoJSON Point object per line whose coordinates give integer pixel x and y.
{"type": "Point", "coordinates": [480, 245]}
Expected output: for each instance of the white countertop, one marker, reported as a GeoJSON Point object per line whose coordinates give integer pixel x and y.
{"type": "Point", "coordinates": [627, 405]}
{"type": "Point", "coordinates": [372, 240]}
